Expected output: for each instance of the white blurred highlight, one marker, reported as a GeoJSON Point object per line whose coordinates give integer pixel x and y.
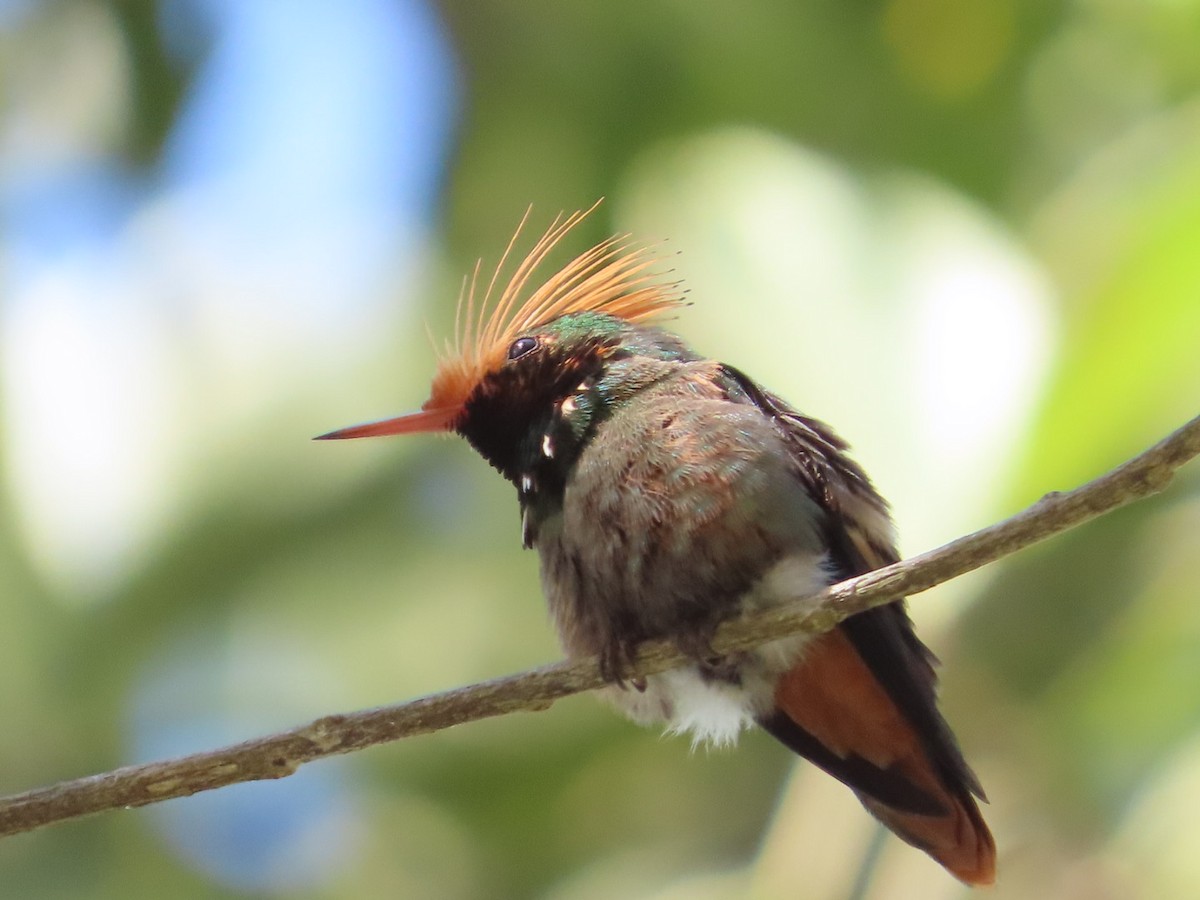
{"type": "Point", "coordinates": [979, 330]}
{"type": "Point", "coordinates": [90, 398]}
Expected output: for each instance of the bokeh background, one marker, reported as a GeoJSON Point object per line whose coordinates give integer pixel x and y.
{"type": "Point", "coordinates": [968, 234]}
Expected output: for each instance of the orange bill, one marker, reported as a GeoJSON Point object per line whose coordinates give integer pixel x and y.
{"type": "Point", "coordinates": [412, 423]}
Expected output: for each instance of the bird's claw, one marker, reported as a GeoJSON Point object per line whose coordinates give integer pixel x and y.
{"type": "Point", "coordinates": [616, 662]}
{"type": "Point", "coordinates": [713, 666]}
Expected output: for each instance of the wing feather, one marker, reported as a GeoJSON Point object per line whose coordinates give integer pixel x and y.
{"type": "Point", "coordinates": [862, 703]}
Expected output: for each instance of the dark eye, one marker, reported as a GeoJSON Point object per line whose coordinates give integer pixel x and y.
{"type": "Point", "coordinates": [521, 346]}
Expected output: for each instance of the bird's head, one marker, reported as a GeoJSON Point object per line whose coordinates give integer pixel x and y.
{"type": "Point", "coordinates": [534, 360]}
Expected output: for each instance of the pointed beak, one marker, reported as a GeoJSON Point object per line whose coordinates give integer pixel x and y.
{"type": "Point", "coordinates": [412, 423]}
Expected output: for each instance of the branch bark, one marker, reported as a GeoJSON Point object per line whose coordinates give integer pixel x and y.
{"type": "Point", "coordinates": [279, 755]}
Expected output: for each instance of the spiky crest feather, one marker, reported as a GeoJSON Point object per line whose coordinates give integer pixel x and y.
{"type": "Point", "coordinates": [613, 277]}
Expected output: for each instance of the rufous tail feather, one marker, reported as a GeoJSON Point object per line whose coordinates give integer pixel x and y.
{"type": "Point", "coordinates": [831, 709]}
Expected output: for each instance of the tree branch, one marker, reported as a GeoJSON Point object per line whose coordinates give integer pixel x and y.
{"type": "Point", "coordinates": [279, 755]}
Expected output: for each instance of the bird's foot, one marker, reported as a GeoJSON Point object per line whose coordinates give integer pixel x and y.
{"type": "Point", "coordinates": [712, 665]}
{"type": "Point", "coordinates": [616, 661]}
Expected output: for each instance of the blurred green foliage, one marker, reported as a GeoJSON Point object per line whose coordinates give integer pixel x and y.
{"type": "Point", "coordinates": [308, 579]}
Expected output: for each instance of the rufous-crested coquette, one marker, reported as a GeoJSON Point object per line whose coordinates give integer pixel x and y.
{"type": "Point", "coordinates": [665, 493]}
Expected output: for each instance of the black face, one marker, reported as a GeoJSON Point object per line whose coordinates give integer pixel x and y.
{"type": "Point", "coordinates": [508, 416]}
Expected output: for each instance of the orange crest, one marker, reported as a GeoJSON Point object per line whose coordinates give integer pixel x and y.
{"type": "Point", "coordinates": [614, 277]}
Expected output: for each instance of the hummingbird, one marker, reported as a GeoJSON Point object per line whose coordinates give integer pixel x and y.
{"type": "Point", "coordinates": [666, 493]}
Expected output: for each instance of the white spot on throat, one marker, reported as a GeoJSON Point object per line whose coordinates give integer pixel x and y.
{"type": "Point", "coordinates": [527, 484]}
{"type": "Point", "coordinates": [547, 447]}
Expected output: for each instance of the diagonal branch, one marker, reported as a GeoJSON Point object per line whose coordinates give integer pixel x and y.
{"type": "Point", "coordinates": [279, 755]}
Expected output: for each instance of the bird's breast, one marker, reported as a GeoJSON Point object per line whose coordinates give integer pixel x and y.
{"type": "Point", "coordinates": [675, 517]}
